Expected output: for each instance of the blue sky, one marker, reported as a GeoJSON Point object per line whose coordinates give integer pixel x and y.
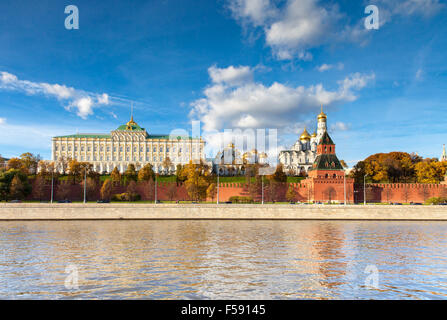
{"type": "Point", "coordinates": [244, 64]}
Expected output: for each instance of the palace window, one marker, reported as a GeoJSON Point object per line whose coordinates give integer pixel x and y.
{"type": "Point", "coordinates": [55, 148]}
{"type": "Point", "coordinates": [63, 148]}
{"type": "Point", "coordinates": [155, 149]}
{"type": "Point", "coordinates": [155, 159]}
{"type": "Point", "coordinates": [88, 148]}
{"type": "Point", "coordinates": [127, 158]}
{"type": "Point", "coordinates": [121, 149]}
{"type": "Point", "coordinates": [161, 149]}
{"type": "Point", "coordinates": [76, 149]}
{"type": "Point", "coordinates": [134, 149]}
{"type": "Point", "coordinates": [161, 158]}
{"type": "Point", "coordinates": [108, 149]}
{"type": "Point", "coordinates": [101, 149]}
{"type": "Point", "coordinates": [167, 149]}
{"type": "Point", "coordinates": [127, 149]}
{"type": "Point", "coordinates": [141, 149]}
{"type": "Point", "coordinates": [82, 148]}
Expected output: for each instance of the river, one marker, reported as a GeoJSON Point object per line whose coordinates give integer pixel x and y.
{"type": "Point", "coordinates": [223, 260]}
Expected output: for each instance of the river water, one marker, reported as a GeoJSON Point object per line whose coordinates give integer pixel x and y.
{"type": "Point", "coordinates": [223, 260]}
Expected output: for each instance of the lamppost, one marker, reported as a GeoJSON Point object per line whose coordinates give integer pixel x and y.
{"type": "Point", "coordinates": [156, 188]}
{"type": "Point", "coordinates": [344, 185]}
{"type": "Point", "coordinates": [52, 184]}
{"type": "Point", "coordinates": [85, 185]}
{"type": "Point", "coordinates": [218, 169]}
{"type": "Point", "coordinates": [262, 188]}
{"type": "Point", "coordinates": [364, 189]}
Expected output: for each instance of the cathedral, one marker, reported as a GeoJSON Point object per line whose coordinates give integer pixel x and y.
{"type": "Point", "coordinates": [301, 156]}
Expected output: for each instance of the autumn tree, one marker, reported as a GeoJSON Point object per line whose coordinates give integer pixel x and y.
{"type": "Point", "coordinates": [197, 181]}
{"type": "Point", "coordinates": [116, 176]}
{"type": "Point", "coordinates": [146, 173]}
{"type": "Point", "coordinates": [130, 174]}
{"type": "Point", "coordinates": [29, 162]}
{"type": "Point", "coordinates": [14, 163]}
{"type": "Point", "coordinates": [211, 191]}
{"type": "Point", "coordinates": [430, 171]}
{"type": "Point", "coordinates": [107, 189]}
{"type": "Point", "coordinates": [17, 190]}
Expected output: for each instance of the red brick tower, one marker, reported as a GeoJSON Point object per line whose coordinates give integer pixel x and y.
{"type": "Point", "coordinates": [326, 181]}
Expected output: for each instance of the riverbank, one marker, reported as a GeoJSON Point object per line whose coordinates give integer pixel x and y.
{"type": "Point", "coordinates": [93, 211]}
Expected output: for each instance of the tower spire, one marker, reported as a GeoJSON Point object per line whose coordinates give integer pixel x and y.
{"type": "Point", "coordinates": [131, 111]}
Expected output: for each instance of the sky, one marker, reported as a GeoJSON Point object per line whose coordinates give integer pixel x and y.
{"type": "Point", "coordinates": [230, 64]}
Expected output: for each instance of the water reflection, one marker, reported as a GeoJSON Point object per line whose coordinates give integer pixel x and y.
{"type": "Point", "coordinates": [223, 259]}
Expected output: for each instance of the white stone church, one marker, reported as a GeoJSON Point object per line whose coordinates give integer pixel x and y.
{"type": "Point", "coordinates": [301, 156]}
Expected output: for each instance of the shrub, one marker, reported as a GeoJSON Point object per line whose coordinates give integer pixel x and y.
{"type": "Point", "coordinates": [239, 199]}
{"type": "Point", "coordinates": [435, 200]}
{"type": "Point", "coordinates": [126, 197]}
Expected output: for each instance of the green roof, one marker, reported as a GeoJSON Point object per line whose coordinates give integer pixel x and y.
{"type": "Point", "coordinates": [125, 127]}
{"type": "Point", "coordinates": [87, 135]}
{"type": "Point", "coordinates": [327, 162]}
{"type": "Point", "coordinates": [326, 139]}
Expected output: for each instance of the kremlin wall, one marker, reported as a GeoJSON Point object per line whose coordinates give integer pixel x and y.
{"type": "Point", "coordinates": [319, 191]}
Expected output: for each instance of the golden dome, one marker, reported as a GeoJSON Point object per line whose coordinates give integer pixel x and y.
{"type": "Point", "coordinates": [322, 115]}
{"type": "Point", "coordinates": [131, 124]}
{"type": "Point", "coordinates": [314, 135]}
{"type": "Point", "coordinates": [305, 135]}
{"type": "Point", "coordinates": [263, 155]}
{"type": "Point", "coordinates": [230, 145]}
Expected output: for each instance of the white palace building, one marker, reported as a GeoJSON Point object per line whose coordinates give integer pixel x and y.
{"type": "Point", "coordinates": [128, 144]}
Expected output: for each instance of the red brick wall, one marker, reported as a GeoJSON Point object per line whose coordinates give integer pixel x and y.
{"type": "Point", "coordinates": [315, 188]}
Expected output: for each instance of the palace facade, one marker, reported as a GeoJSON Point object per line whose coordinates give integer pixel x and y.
{"type": "Point", "coordinates": [128, 144]}
{"type": "Point", "coordinates": [301, 156]}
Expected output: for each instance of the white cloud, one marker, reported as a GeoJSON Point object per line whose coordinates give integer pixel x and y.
{"type": "Point", "coordinates": [255, 12]}
{"type": "Point", "coordinates": [425, 8]}
{"type": "Point", "coordinates": [103, 99]}
{"type": "Point", "coordinates": [83, 102]}
{"type": "Point", "coordinates": [340, 126]}
{"type": "Point", "coordinates": [419, 75]}
{"type": "Point", "coordinates": [231, 75]}
{"type": "Point", "coordinates": [2, 121]}
{"type": "Point", "coordinates": [326, 67]}
{"type": "Point", "coordinates": [293, 27]}
{"type": "Point", "coordinates": [255, 105]}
